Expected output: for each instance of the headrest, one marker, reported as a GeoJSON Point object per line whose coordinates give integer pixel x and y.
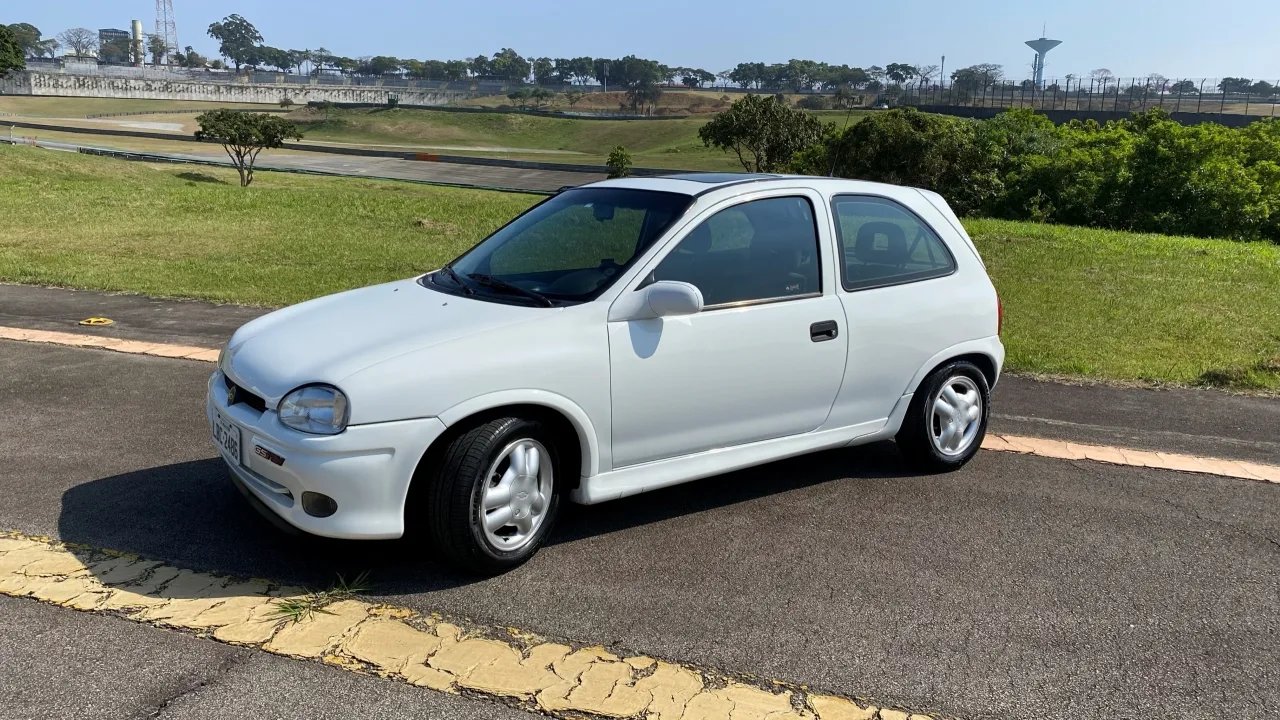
{"type": "Point", "coordinates": [698, 241]}
{"type": "Point", "coordinates": [891, 251]}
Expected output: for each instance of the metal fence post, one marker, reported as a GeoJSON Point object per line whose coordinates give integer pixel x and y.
{"type": "Point", "coordinates": [1222, 107]}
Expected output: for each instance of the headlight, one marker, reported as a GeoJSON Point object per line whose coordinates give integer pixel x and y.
{"type": "Point", "coordinates": [316, 409]}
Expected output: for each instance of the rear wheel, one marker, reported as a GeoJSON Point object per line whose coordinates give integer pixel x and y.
{"type": "Point", "coordinates": [492, 497]}
{"type": "Point", "coordinates": [947, 420]}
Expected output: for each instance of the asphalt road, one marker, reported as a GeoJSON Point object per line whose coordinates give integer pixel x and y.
{"type": "Point", "coordinates": [1198, 422]}
{"type": "Point", "coordinates": [1019, 587]}
{"type": "Point", "coordinates": [72, 666]}
{"type": "Point", "coordinates": [389, 168]}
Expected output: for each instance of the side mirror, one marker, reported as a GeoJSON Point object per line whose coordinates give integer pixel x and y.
{"type": "Point", "coordinates": [665, 298]}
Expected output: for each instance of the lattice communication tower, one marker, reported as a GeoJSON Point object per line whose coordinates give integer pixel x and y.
{"type": "Point", "coordinates": [166, 26]}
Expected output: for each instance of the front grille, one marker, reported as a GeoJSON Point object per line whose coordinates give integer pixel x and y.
{"type": "Point", "coordinates": [238, 395]}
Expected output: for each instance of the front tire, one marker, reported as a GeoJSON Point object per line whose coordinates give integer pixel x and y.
{"type": "Point", "coordinates": [947, 420]}
{"type": "Point", "coordinates": [492, 498]}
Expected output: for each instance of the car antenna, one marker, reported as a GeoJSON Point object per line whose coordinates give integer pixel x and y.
{"type": "Point", "coordinates": [831, 172]}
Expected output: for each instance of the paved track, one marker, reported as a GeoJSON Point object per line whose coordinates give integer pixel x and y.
{"type": "Point", "coordinates": [483, 176]}
{"type": "Point", "coordinates": [1019, 587]}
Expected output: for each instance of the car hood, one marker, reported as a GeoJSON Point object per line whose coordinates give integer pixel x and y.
{"type": "Point", "coordinates": [329, 338]}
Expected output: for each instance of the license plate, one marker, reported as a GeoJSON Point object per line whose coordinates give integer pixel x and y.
{"type": "Point", "coordinates": [227, 437]}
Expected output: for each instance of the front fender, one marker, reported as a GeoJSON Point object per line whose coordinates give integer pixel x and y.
{"type": "Point", "coordinates": [587, 439]}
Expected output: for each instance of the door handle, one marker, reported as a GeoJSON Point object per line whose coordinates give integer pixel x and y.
{"type": "Point", "coordinates": [824, 331]}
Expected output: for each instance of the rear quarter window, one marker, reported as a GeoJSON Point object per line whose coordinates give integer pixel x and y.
{"type": "Point", "coordinates": [883, 243]}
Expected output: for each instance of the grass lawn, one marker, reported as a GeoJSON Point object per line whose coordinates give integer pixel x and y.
{"type": "Point", "coordinates": [1098, 304]}
{"type": "Point", "coordinates": [74, 107]}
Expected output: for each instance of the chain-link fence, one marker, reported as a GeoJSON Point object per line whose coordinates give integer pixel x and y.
{"type": "Point", "coordinates": [1234, 96]}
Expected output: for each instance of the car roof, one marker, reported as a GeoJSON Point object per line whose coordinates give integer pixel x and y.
{"type": "Point", "coordinates": [698, 184]}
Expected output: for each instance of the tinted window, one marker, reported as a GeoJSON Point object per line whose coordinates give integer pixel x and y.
{"type": "Point", "coordinates": [761, 250]}
{"type": "Point", "coordinates": [572, 246]}
{"type": "Point", "coordinates": [882, 243]}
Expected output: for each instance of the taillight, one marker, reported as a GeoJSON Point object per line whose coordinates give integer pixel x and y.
{"type": "Point", "coordinates": [999, 314]}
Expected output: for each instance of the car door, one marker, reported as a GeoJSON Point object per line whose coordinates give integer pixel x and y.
{"type": "Point", "coordinates": [765, 357]}
{"type": "Point", "coordinates": [903, 301]}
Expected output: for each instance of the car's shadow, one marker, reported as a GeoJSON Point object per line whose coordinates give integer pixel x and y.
{"type": "Point", "coordinates": [190, 515]}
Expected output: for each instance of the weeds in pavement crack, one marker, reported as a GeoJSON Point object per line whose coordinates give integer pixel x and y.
{"type": "Point", "coordinates": [302, 608]}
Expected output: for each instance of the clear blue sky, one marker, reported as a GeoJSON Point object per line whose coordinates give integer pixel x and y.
{"type": "Point", "coordinates": [1177, 38]}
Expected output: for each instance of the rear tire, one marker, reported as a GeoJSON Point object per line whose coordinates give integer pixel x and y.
{"type": "Point", "coordinates": [947, 420]}
{"type": "Point", "coordinates": [492, 496]}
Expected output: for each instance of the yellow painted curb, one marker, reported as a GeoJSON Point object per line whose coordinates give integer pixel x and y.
{"type": "Point", "coordinates": [1040, 447]}
{"type": "Point", "coordinates": [133, 347]}
{"type": "Point", "coordinates": [1063, 450]}
{"type": "Point", "coordinates": [503, 664]}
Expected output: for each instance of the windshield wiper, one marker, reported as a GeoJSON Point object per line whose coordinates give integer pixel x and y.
{"type": "Point", "coordinates": [466, 289]}
{"type": "Point", "coordinates": [500, 284]}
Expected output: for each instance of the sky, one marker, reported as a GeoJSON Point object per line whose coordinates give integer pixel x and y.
{"type": "Point", "coordinates": [1176, 38]}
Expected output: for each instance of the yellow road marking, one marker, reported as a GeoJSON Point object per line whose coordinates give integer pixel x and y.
{"type": "Point", "coordinates": [1057, 449]}
{"type": "Point", "coordinates": [503, 664]}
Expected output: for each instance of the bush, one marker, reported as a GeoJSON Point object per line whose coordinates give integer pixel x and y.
{"type": "Point", "coordinates": [619, 163]}
{"type": "Point", "coordinates": [1147, 173]}
{"type": "Point", "coordinates": [814, 102]}
{"type": "Point", "coordinates": [907, 147]}
{"type": "Point", "coordinates": [286, 102]}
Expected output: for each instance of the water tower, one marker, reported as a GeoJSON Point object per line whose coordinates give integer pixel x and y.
{"type": "Point", "coordinates": [1042, 47]}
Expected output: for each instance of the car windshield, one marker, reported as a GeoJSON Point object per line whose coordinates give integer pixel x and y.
{"type": "Point", "coordinates": [567, 249]}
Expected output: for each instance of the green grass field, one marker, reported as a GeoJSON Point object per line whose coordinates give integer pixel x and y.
{"type": "Point", "coordinates": [1084, 303]}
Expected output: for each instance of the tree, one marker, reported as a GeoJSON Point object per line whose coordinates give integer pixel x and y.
{"type": "Point", "coordinates": [1184, 87]}
{"type": "Point", "coordinates": [380, 65]}
{"type": "Point", "coordinates": [81, 42]}
{"type": "Point", "coordinates": [11, 55]}
{"type": "Point", "coordinates": [237, 39]}
{"type": "Point", "coordinates": [28, 39]}
{"type": "Point", "coordinates": [189, 58]}
{"type": "Point", "coordinates": [762, 132]}
{"type": "Point", "coordinates": [544, 71]}
{"type": "Point", "coordinates": [693, 78]}
{"type": "Point", "coordinates": [900, 73]}
{"type": "Point", "coordinates": [573, 96]}
{"type": "Point", "coordinates": [1263, 88]}
{"type": "Point", "coordinates": [1102, 75]}
{"type": "Point", "coordinates": [977, 78]}
{"type": "Point", "coordinates": [158, 48]}
{"type": "Point", "coordinates": [508, 65]}
{"type": "Point", "coordinates": [1235, 85]}
{"type": "Point", "coordinates": [243, 135]}
{"type": "Point", "coordinates": [619, 163]}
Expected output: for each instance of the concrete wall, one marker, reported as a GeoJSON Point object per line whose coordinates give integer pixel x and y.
{"type": "Point", "coordinates": [1060, 117]}
{"type": "Point", "coordinates": [69, 85]}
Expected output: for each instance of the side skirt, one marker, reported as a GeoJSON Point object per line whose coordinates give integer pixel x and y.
{"type": "Point", "coordinates": [636, 479]}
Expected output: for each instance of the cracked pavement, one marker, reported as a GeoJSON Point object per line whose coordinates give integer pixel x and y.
{"type": "Point", "coordinates": [1019, 587]}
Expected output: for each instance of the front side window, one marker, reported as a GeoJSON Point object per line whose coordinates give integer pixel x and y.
{"type": "Point", "coordinates": [757, 251]}
{"type": "Point", "coordinates": [569, 248]}
{"type": "Point", "coordinates": [882, 243]}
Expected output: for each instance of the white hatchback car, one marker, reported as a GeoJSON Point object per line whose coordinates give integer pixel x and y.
{"type": "Point", "coordinates": [619, 337]}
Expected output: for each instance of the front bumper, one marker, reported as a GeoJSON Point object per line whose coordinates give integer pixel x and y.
{"type": "Point", "coordinates": [365, 469]}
